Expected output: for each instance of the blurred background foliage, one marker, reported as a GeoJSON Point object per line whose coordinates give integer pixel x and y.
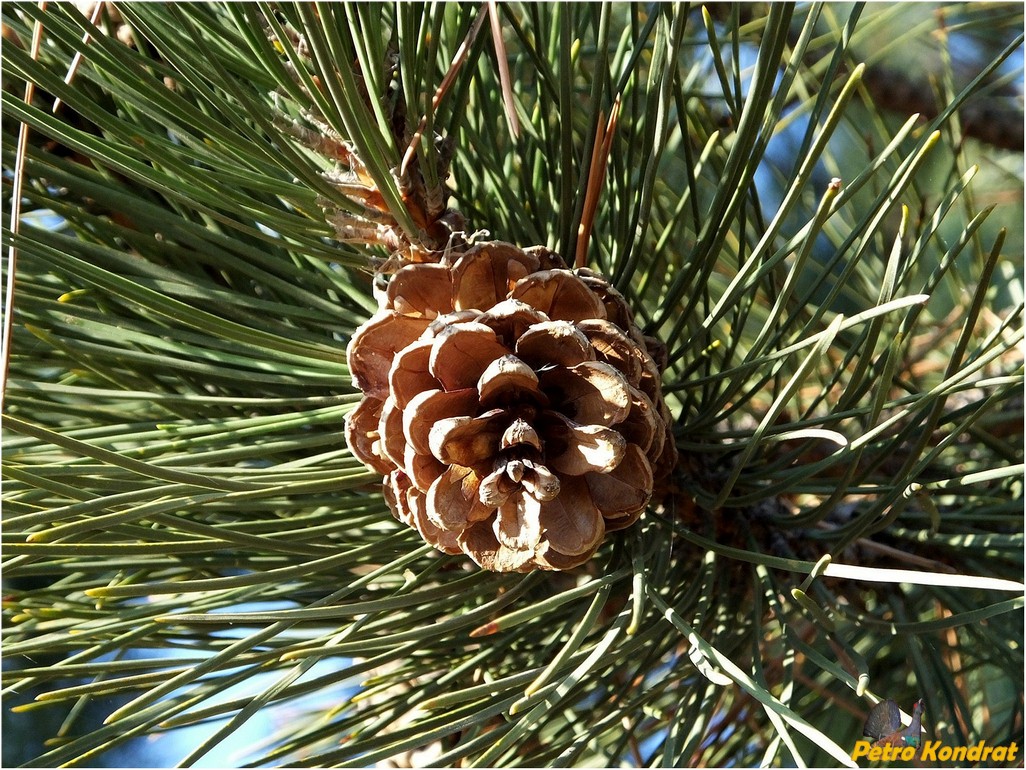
{"type": "Point", "coordinates": [818, 207]}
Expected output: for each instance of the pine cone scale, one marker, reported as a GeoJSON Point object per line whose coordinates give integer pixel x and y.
{"type": "Point", "coordinates": [453, 499]}
{"type": "Point", "coordinates": [373, 346]}
{"type": "Point", "coordinates": [557, 343]}
{"type": "Point", "coordinates": [518, 524]}
{"type": "Point", "coordinates": [573, 524]}
{"type": "Point", "coordinates": [469, 441]}
{"type": "Point", "coordinates": [410, 373]}
{"type": "Point", "coordinates": [462, 352]}
{"type": "Point", "coordinates": [508, 377]}
{"type": "Point", "coordinates": [626, 489]}
{"type": "Point", "coordinates": [591, 392]}
{"type": "Point", "coordinates": [431, 407]}
{"type": "Point", "coordinates": [363, 436]}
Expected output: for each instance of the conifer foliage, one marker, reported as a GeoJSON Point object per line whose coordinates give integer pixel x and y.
{"type": "Point", "coordinates": [510, 385]}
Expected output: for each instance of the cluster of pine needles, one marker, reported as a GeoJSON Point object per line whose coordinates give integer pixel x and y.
{"type": "Point", "coordinates": [187, 539]}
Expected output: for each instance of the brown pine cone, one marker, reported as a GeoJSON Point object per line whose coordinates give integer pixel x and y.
{"type": "Point", "coordinates": [512, 405]}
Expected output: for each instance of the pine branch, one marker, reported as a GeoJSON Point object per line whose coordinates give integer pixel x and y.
{"type": "Point", "coordinates": [842, 311]}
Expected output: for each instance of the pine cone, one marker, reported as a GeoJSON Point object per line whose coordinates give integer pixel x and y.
{"type": "Point", "coordinates": [512, 405]}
